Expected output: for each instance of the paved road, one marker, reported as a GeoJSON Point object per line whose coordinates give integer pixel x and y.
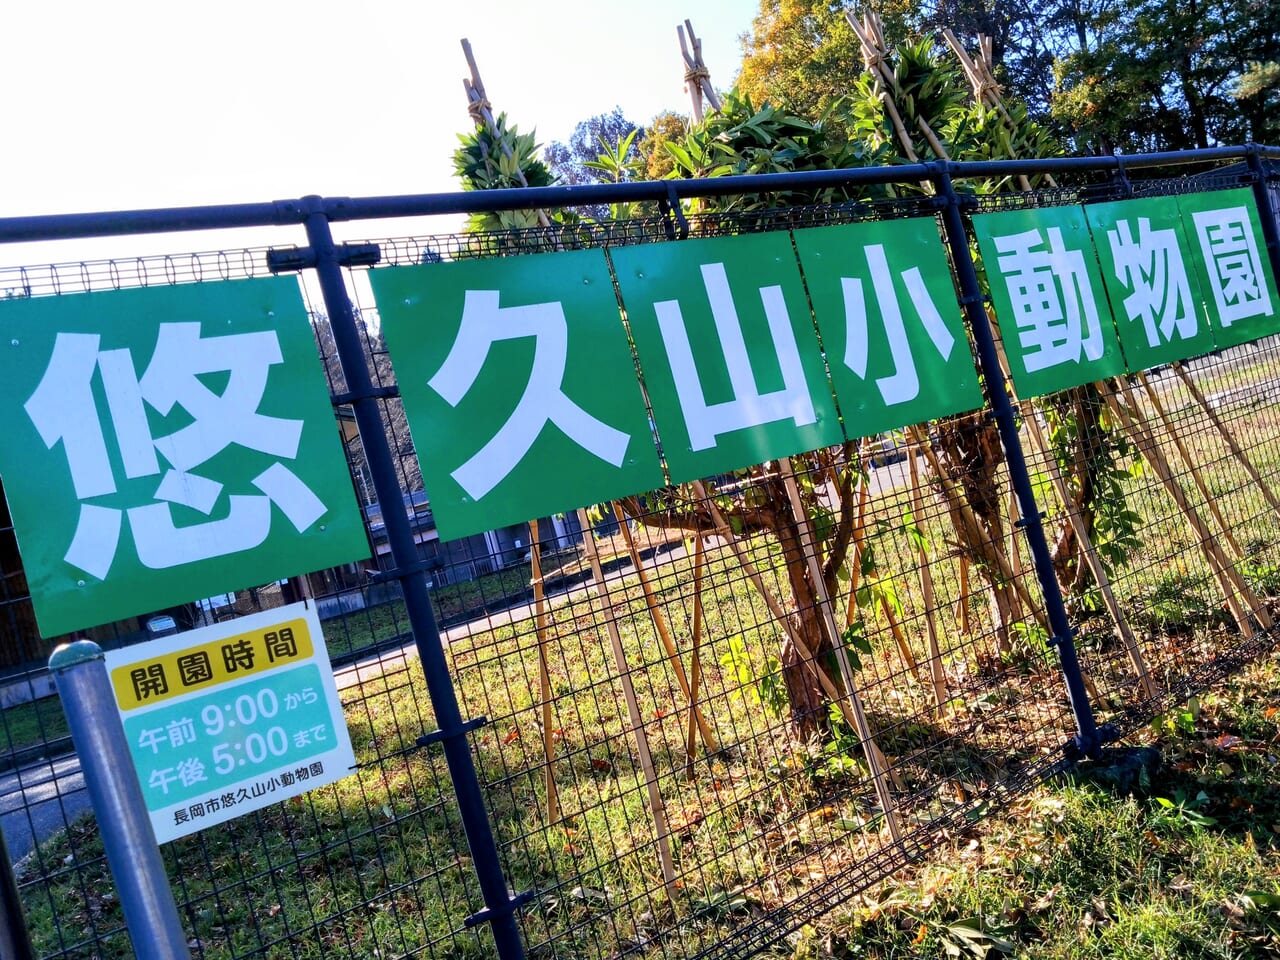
{"type": "Point", "coordinates": [38, 800]}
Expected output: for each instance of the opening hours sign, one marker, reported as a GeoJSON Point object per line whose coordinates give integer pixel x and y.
{"type": "Point", "coordinates": [230, 718]}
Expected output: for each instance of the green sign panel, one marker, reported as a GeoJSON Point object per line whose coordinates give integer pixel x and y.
{"type": "Point", "coordinates": [1049, 298]}
{"type": "Point", "coordinates": [728, 351]}
{"type": "Point", "coordinates": [893, 334]}
{"type": "Point", "coordinates": [1231, 264]}
{"type": "Point", "coordinates": [1155, 297]}
{"type": "Point", "coordinates": [519, 386]}
{"type": "Point", "coordinates": [166, 444]}
{"type": "Point", "coordinates": [230, 718]}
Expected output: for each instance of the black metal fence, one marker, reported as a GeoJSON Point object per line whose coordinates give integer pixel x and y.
{"type": "Point", "coordinates": [595, 745]}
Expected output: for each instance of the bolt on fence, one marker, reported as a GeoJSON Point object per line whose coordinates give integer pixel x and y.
{"type": "Point", "coordinates": [690, 720]}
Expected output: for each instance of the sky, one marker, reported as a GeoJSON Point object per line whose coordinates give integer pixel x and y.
{"type": "Point", "coordinates": [142, 104]}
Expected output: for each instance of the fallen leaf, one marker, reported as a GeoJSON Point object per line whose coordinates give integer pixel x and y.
{"type": "Point", "coordinates": [513, 735]}
{"type": "Point", "coordinates": [603, 766]}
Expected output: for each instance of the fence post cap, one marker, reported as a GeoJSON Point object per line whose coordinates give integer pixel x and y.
{"type": "Point", "coordinates": [68, 655]}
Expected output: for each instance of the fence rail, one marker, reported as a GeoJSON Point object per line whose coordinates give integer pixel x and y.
{"type": "Point", "coordinates": [693, 720]}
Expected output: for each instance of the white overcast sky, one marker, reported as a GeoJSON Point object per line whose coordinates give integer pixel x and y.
{"type": "Point", "coordinates": [141, 104]}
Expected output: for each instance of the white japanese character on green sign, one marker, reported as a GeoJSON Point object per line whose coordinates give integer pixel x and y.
{"type": "Point", "coordinates": [62, 410]}
{"type": "Point", "coordinates": [543, 401]}
{"type": "Point", "coordinates": [749, 407]}
{"type": "Point", "coordinates": [1053, 304]}
{"type": "Point", "coordinates": [903, 385]}
{"type": "Point", "coordinates": [1151, 266]}
{"type": "Point", "coordinates": [1234, 267]}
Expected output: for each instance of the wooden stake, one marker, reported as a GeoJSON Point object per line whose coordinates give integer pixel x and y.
{"type": "Point", "coordinates": [1185, 376]}
{"type": "Point", "coordinates": [1130, 420]}
{"type": "Point", "coordinates": [855, 571]}
{"type": "Point", "coordinates": [656, 810]}
{"type": "Point", "coordinates": [855, 554]}
{"type": "Point", "coordinates": [482, 112]}
{"type": "Point", "coordinates": [660, 624]}
{"type": "Point", "coordinates": [904, 648]}
{"type": "Point", "coordinates": [962, 604]}
{"type": "Point", "coordinates": [1196, 477]}
{"type": "Point", "coordinates": [849, 704]}
{"type": "Point", "coordinates": [873, 52]}
{"type": "Point", "coordinates": [1256, 606]}
{"type": "Point", "coordinates": [695, 668]}
{"type": "Point", "coordinates": [697, 78]}
{"type": "Point", "coordinates": [960, 508]}
{"type": "Point", "coordinates": [1145, 682]}
{"type": "Point", "coordinates": [926, 588]}
{"type": "Point", "coordinates": [544, 673]}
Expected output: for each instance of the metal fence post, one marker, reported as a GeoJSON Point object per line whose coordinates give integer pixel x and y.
{"type": "Point", "coordinates": [500, 905]}
{"type": "Point", "coordinates": [150, 912]}
{"type": "Point", "coordinates": [1088, 740]}
{"type": "Point", "coordinates": [1266, 208]}
{"type": "Point", "coordinates": [15, 942]}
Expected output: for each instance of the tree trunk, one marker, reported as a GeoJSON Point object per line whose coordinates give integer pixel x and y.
{"type": "Point", "coordinates": [968, 448]}
{"type": "Point", "coordinates": [805, 696]}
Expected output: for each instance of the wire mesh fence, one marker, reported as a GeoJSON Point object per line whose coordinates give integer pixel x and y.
{"type": "Point", "coordinates": [709, 713]}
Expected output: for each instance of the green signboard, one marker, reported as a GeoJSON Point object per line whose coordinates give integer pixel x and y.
{"type": "Point", "coordinates": [1155, 296]}
{"type": "Point", "coordinates": [1231, 263]}
{"type": "Point", "coordinates": [230, 718]}
{"type": "Point", "coordinates": [519, 386]}
{"type": "Point", "coordinates": [1049, 298]}
{"type": "Point", "coordinates": [897, 346]}
{"type": "Point", "coordinates": [166, 444]}
{"type": "Point", "coordinates": [728, 351]}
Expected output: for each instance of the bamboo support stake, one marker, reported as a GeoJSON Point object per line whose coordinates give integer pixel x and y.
{"type": "Point", "coordinates": [850, 705]}
{"type": "Point", "coordinates": [874, 66]}
{"type": "Point", "coordinates": [962, 605]}
{"type": "Point", "coordinates": [664, 635]}
{"type": "Point", "coordinates": [697, 78]}
{"type": "Point", "coordinates": [1152, 454]}
{"type": "Point", "coordinates": [926, 589]}
{"type": "Point", "coordinates": [873, 52]}
{"type": "Point", "coordinates": [695, 666]}
{"type": "Point", "coordinates": [900, 638]}
{"type": "Point", "coordinates": [1015, 555]}
{"type": "Point", "coordinates": [1145, 682]}
{"type": "Point", "coordinates": [855, 575]}
{"type": "Point", "coordinates": [960, 507]}
{"type": "Point", "coordinates": [544, 673]}
{"type": "Point", "coordinates": [661, 827]}
{"type": "Point", "coordinates": [1256, 606]}
{"type": "Point", "coordinates": [986, 90]}
{"type": "Point", "coordinates": [859, 527]}
{"type": "Point", "coordinates": [482, 113]}
{"type": "Point", "coordinates": [1185, 376]}
{"type": "Point", "coordinates": [1196, 477]}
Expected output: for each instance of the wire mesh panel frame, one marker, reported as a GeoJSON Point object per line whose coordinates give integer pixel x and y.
{"type": "Point", "coordinates": [772, 925]}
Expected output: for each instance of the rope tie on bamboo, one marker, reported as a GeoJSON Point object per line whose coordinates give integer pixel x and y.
{"type": "Point", "coordinates": [477, 109]}
{"type": "Point", "coordinates": [695, 75]}
{"type": "Point", "coordinates": [989, 88]}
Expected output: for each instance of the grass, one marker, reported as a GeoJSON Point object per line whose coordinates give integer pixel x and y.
{"type": "Point", "coordinates": [1184, 863]}
{"type": "Point", "coordinates": [32, 724]}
